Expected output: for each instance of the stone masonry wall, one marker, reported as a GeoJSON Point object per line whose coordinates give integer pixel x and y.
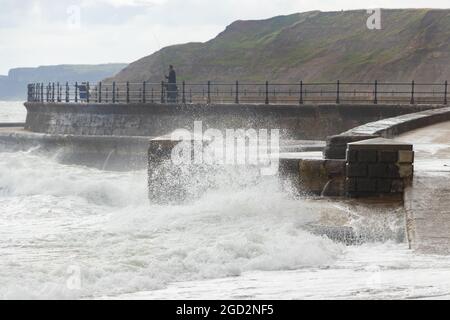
{"type": "Point", "coordinates": [378, 167]}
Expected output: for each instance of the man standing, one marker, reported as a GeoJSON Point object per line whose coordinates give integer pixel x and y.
{"type": "Point", "coordinates": [172, 89]}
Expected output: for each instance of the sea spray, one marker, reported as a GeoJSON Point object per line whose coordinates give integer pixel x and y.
{"type": "Point", "coordinates": [55, 217]}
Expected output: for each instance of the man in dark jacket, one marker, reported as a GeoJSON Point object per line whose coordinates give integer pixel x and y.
{"type": "Point", "coordinates": [172, 89]}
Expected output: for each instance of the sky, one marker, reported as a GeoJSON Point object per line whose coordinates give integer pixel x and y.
{"type": "Point", "coordinates": [48, 32]}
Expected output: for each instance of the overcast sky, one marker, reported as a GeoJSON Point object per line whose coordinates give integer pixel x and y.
{"type": "Point", "coordinates": [45, 32]}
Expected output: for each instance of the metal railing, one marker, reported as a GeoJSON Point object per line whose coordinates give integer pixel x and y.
{"type": "Point", "coordinates": [240, 93]}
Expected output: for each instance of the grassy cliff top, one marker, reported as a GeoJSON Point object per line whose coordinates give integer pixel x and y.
{"type": "Point", "coordinates": [312, 46]}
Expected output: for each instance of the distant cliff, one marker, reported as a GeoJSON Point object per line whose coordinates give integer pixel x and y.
{"type": "Point", "coordinates": [313, 46]}
{"type": "Point", "coordinates": [13, 86]}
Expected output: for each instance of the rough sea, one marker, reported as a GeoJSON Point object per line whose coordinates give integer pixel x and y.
{"type": "Point", "coordinates": [69, 231]}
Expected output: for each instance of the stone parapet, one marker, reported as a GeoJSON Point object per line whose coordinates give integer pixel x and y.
{"type": "Point", "coordinates": [387, 128]}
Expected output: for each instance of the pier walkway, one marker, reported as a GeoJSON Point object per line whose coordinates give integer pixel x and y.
{"type": "Point", "coordinates": [428, 200]}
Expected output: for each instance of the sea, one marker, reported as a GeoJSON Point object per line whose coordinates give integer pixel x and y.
{"type": "Point", "coordinates": [75, 232]}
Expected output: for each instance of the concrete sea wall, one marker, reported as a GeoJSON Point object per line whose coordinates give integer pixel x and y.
{"type": "Point", "coordinates": [295, 121]}
{"type": "Point", "coordinates": [103, 152]}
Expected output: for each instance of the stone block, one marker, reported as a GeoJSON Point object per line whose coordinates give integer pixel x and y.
{"type": "Point", "coordinates": [356, 170]}
{"type": "Point", "coordinates": [378, 170]}
{"type": "Point", "coordinates": [398, 186]}
{"type": "Point", "coordinates": [352, 156]}
{"type": "Point", "coordinates": [388, 156]}
{"type": "Point", "coordinates": [335, 168]}
{"type": "Point", "coordinates": [405, 170]}
{"type": "Point", "coordinates": [313, 176]}
{"type": "Point", "coordinates": [367, 156]}
{"type": "Point", "coordinates": [405, 156]}
{"type": "Point", "coordinates": [334, 152]}
{"type": "Point", "coordinates": [351, 185]}
{"type": "Point", "coordinates": [393, 171]}
{"type": "Point", "coordinates": [334, 188]}
{"type": "Point", "coordinates": [366, 185]}
{"type": "Point", "coordinates": [384, 185]}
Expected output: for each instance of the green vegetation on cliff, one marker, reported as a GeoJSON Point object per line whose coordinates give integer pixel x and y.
{"type": "Point", "coordinates": [313, 46]}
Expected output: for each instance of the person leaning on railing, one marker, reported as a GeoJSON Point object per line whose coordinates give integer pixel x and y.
{"type": "Point", "coordinates": [83, 91]}
{"type": "Point", "coordinates": [172, 89]}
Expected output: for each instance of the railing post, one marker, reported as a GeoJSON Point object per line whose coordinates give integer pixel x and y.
{"type": "Point", "coordinates": [87, 92]}
{"type": "Point", "coordinates": [53, 92]}
{"type": "Point", "coordinates": [144, 93]}
{"type": "Point", "coordinates": [267, 92]}
{"type": "Point", "coordinates": [114, 92]}
{"type": "Point", "coordinates": [375, 101]}
{"type": "Point", "coordinates": [76, 92]}
{"type": "Point", "coordinates": [67, 93]}
{"type": "Point", "coordinates": [301, 92]}
{"type": "Point", "coordinates": [99, 92]}
{"type": "Point", "coordinates": [338, 97]}
{"type": "Point", "coordinates": [209, 93]}
{"type": "Point", "coordinates": [412, 92]}
{"type": "Point", "coordinates": [183, 97]}
{"type": "Point", "coordinates": [42, 91]}
{"type": "Point", "coordinates": [236, 100]}
{"type": "Point", "coordinates": [162, 92]}
{"type": "Point", "coordinates": [152, 96]}
{"type": "Point", "coordinates": [445, 92]}
{"type": "Point", "coordinates": [128, 92]}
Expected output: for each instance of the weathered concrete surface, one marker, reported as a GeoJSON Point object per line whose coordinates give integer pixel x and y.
{"type": "Point", "coordinates": [104, 152]}
{"type": "Point", "coordinates": [12, 125]}
{"type": "Point", "coordinates": [386, 128]}
{"type": "Point", "coordinates": [427, 201]}
{"type": "Point", "coordinates": [296, 122]}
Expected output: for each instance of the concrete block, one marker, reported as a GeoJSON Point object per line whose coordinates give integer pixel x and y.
{"type": "Point", "coordinates": [405, 170]}
{"type": "Point", "coordinates": [356, 170]}
{"type": "Point", "coordinates": [405, 156]}
{"type": "Point", "coordinates": [367, 156]}
{"type": "Point", "coordinates": [398, 186]}
{"type": "Point", "coordinates": [335, 168]}
{"type": "Point", "coordinates": [388, 156]}
{"type": "Point", "coordinates": [378, 170]}
{"type": "Point", "coordinates": [334, 188]}
{"type": "Point", "coordinates": [366, 185]}
{"type": "Point", "coordinates": [334, 152]}
{"type": "Point", "coordinates": [352, 156]}
{"type": "Point", "coordinates": [393, 171]}
{"type": "Point", "coordinates": [384, 185]}
{"type": "Point", "coordinates": [313, 176]}
{"type": "Point", "coordinates": [351, 184]}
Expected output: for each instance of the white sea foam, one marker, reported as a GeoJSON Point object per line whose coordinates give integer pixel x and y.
{"type": "Point", "coordinates": [55, 216]}
{"type": "Point", "coordinates": [55, 219]}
